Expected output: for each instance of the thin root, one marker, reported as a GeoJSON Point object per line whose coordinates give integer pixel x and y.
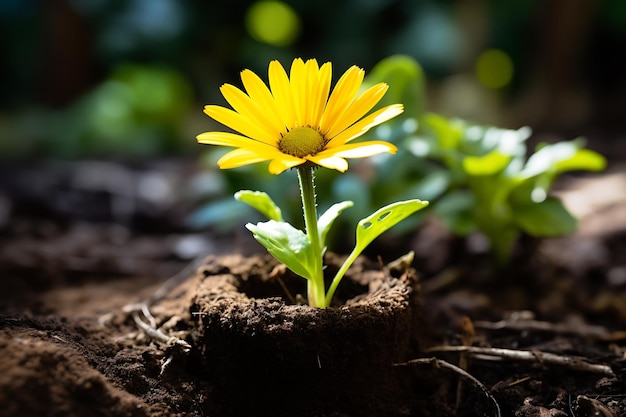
{"type": "Point", "coordinates": [150, 328]}
{"type": "Point", "coordinates": [155, 333]}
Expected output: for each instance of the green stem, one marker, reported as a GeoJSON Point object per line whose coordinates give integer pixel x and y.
{"type": "Point", "coordinates": [342, 271]}
{"type": "Point", "coordinates": [315, 283]}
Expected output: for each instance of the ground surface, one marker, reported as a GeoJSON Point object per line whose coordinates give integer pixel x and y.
{"type": "Point", "coordinates": [68, 346]}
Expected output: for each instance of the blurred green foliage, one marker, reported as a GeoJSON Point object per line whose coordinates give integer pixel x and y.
{"type": "Point", "coordinates": [94, 78]}
{"type": "Point", "coordinates": [494, 188]}
{"type": "Point", "coordinates": [138, 111]}
{"type": "Point", "coordinates": [57, 57]}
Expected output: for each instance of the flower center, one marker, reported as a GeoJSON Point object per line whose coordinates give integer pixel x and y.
{"type": "Point", "coordinates": [301, 141]}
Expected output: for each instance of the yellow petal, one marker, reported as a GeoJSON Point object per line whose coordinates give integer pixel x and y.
{"type": "Point", "coordinates": [297, 83]}
{"type": "Point", "coordinates": [357, 109]}
{"type": "Point", "coordinates": [234, 140]}
{"type": "Point", "coordinates": [262, 114]}
{"type": "Point", "coordinates": [248, 108]}
{"type": "Point", "coordinates": [258, 92]}
{"type": "Point", "coordinates": [283, 163]}
{"type": "Point", "coordinates": [240, 123]}
{"type": "Point", "coordinates": [360, 149]}
{"type": "Point", "coordinates": [365, 124]}
{"type": "Point", "coordinates": [312, 72]}
{"type": "Point", "coordinates": [329, 161]}
{"type": "Point", "coordinates": [246, 156]}
{"type": "Point", "coordinates": [238, 158]}
{"type": "Point", "coordinates": [342, 95]}
{"type": "Point", "coordinates": [260, 149]}
{"type": "Point", "coordinates": [281, 91]}
{"type": "Point", "coordinates": [320, 94]}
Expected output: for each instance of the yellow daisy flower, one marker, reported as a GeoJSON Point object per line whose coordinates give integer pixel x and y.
{"type": "Point", "coordinates": [298, 119]}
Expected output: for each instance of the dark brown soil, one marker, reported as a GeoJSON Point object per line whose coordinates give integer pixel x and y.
{"type": "Point", "coordinates": [250, 350]}
{"type": "Point", "coordinates": [70, 345]}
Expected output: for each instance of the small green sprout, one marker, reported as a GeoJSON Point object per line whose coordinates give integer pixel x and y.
{"type": "Point", "coordinates": [302, 255]}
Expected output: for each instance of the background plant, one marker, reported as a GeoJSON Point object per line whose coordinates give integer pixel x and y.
{"type": "Point", "coordinates": [493, 187]}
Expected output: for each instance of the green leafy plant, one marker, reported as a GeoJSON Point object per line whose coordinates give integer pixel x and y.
{"type": "Point", "coordinates": [494, 187]}
{"type": "Point", "coordinates": [299, 123]}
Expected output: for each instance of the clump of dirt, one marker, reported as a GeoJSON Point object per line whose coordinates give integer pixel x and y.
{"type": "Point", "coordinates": [296, 360]}
{"type": "Point", "coordinates": [52, 368]}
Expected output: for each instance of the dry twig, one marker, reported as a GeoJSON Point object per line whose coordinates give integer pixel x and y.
{"type": "Point", "coordinates": [571, 362]}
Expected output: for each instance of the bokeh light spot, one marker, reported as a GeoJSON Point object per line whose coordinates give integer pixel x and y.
{"type": "Point", "coordinates": [494, 69]}
{"type": "Point", "coordinates": [273, 22]}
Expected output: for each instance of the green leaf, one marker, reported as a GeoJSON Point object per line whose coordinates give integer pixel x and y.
{"type": "Point", "coordinates": [262, 202]}
{"type": "Point", "coordinates": [546, 219]}
{"type": "Point", "coordinates": [545, 159]}
{"type": "Point", "coordinates": [489, 164]}
{"type": "Point", "coordinates": [370, 228]}
{"type": "Point", "coordinates": [507, 141]}
{"type": "Point", "coordinates": [561, 157]}
{"type": "Point", "coordinates": [287, 244]}
{"type": "Point", "coordinates": [383, 219]}
{"type": "Point", "coordinates": [447, 133]}
{"type": "Point", "coordinates": [583, 159]}
{"type": "Point", "coordinates": [326, 220]}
